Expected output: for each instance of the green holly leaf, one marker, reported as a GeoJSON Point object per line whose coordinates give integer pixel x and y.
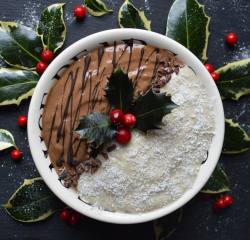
{"type": "Point", "coordinates": [218, 182]}
{"type": "Point", "coordinates": [236, 139]}
{"type": "Point", "coordinates": [120, 90]}
{"type": "Point", "coordinates": [234, 80]}
{"type": "Point", "coordinates": [19, 45]}
{"type": "Point", "coordinates": [52, 28]}
{"type": "Point", "coordinates": [130, 17]}
{"type": "Point", "coordinates": [150, 108]}
{"type": "Point", "coordinates": [188, 24]}
{"type": "Point", "coordinates": [97, 8]}
{"type": "Point", "coordinates": [164, 227]}
{"type": "Point", "coordinates": [96, 128]}
{"type": "Point", "coordinates": [16, 85]}
{"type": "Point", "coordinates": [6, 140]}
{"type": "Point", "coordinates": [32, 202]}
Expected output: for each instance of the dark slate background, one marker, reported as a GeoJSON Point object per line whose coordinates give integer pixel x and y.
{"type": "Point", "coordinates": [198, 221]}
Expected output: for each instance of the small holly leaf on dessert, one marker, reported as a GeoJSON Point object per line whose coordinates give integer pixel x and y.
{"type": "Point", "coordinates": [120, 90]}
{"type": "Point", "coordinates": [96, 129]}
{"type": "Point", "coordinates": [6, 140]}
{"type": "Point", "coordinates": [52, 28]}
{"type": "Point", "coordinates": [183, 16]}
{"type": "Point", "coordinates": [20, 46]}
{"type": "Point", "coordinates": [150, 108]}
{"type": "Point", "coordinates": [234, 80]}
{"type": "Point", "coordinates": [97, 8]}
{"type": "Point", "coordinates": [32, 202]}
{"type": "Point", "coordinates": [16, 85]}
{"type": "Point", "coordinates": [218, 182]}
{"type": "Point", "coordinates": [236, 139]}
{"type": "Point", "coordinates": [164, 227]}
{"type": "Point", "coordinates": [130, 17]}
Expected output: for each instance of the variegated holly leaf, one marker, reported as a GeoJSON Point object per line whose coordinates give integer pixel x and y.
{"type": "Point", "coordinates": [130, 17]}
{"type": "Point", "coordinates": [164, 227]}
{"type": "Point", "coordinates": [6, 140]}
{"type": "Point", "coordinates": [218, 182]}
{"type": "Point", "coordinates": [236, 139]}
{"type": "Point", "coordinates": [52, 28]}
{"type": "Point", "coordinates": [188, 24]}
{"type": "Point", "coordinates": [16, 85]}
{"type": "Point", "coordinates": [97, 8]}
{"type": "Point", "coordinates": [20, 46]}
{"type": "Point", "coordinates": [234, 80]}
{"type": "Point", "coordinates": [32, 202]}
{"type": "Point", "coordinates": [96, 129]}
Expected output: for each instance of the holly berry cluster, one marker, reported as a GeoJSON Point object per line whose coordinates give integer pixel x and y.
{"type": "Point", "coordinates": [231, 39]}
{"type": "Point", "coordinates": [70, 216]}
{"type": "Point", "coordinates": [123, 123]}
{"type": "Point", "coordinates": [222, 202]}
{"type": "Point", "coordinates": [46, 56]}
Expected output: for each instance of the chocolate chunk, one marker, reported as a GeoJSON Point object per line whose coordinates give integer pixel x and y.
{"type": "Point", "coordinates": [59, 162]}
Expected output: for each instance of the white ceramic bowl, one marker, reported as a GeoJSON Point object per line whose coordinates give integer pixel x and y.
{"type": "Point", "coordinates": [38, 148]}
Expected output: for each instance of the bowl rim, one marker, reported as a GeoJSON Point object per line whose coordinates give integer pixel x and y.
{"type": "Point", "coordinates": [96, 213]}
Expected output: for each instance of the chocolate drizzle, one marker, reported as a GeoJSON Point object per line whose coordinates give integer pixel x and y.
{"type": "Point", "coordinates": [80, 91]}
{"type": "Point", "coordinates": [100, 55]}
{"type": "Point", "coordinates": [73, 77]}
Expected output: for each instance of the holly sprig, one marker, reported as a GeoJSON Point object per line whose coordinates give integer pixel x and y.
{"type": "Point", "coordinates": [148, 109]}
{"type": "Point", "coordinates": [18, 79]}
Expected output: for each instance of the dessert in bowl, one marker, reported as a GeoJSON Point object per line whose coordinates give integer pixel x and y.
{"type": "Point", "coordinates": [160, 169]}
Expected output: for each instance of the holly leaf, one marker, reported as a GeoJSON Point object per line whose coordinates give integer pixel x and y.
{"type": "Point", "coordinates": [32, 202]}
{"type": "Point", "coordinates": [97, 8]}
{"type": "Point", "coordinates": [20, 46]}
{"type": "Point", "coordinates": [218, 182]}
{"type": "Point", "coordinates": [188, 24]}
{"type": "Point", "coordinates": [130, 17]}
{"type": "Point", "coordinates": [150, 108]}
{"type": "Point", "coordinates": [95, 128]}
{"type": "Point", "coordinates": [236, 139]}
{"type": "Point", "coordinates": [234, 80]}
{"type": "Point", "coordinates": [119, 91]}
{"type": "Point", "coordinates": [16, 85]}
{"type": "Point", "coordinates": [164, 227]}
{"type": "Point", "coordinates": [52, 28]}
{"type": "Point", "coordinates": [6, 140]}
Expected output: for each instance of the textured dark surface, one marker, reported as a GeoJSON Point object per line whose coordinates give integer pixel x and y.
{"type": "Point", "coordinates": [198, 221]}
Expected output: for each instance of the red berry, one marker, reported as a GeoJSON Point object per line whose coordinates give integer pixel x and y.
{"type": "Point", "coordinates": [123, 136]}
{"type": "Point", "coordinates": [215, 76]}
{"type": "Point", "coordinates": [219, 204]}
{"type": "Point", "coordinates": [41, 67]}
{"type": "Point", "coordinates": [209, 67]}
{"type": "Point", "coordinates": [73, 219]}
{"type": "Point", "coordinates": [77, 215]}
{"type": "Point", "coordinates": [64, 215]}
{"type": "Point", "coordinates": [129, 120]}
{"type": "Point", "coordinates": [231, 39]}
{"type": "Point", "coordinates": [80, 12]}
{"type": "Point", "coordinates": [228, 199]}
{"type": "Point", "coordinates": [22, 121]}
{"type": "Point", "coordinates": [16, 154]}
{"type": "Point", "coordinates": [116, 116]}
{"type": "Point", "coordinates": [47, 56]}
